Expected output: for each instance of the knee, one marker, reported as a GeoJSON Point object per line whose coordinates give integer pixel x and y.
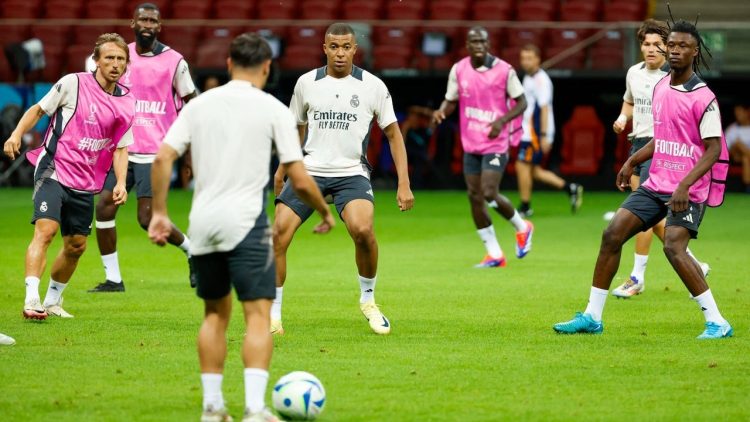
{"type": "Point", "coordinates": [280, 240]}
{"type": "Point", "coordinates": [489, 193]}
{"type": "Point", "coordinates": [105, 210]}
{"type": "Point", "coordinates": [363, 234]}
{"type": "Point", "coordinates": [475, 197]}
{"type": "Point", "coordinates": [612, 240]}
{"type": "Point", "coordinates": [673, 249]}
{"type": "Point", "coordinates": [144, 218]}
{"type": "Point", "coordinates": [75, 249]}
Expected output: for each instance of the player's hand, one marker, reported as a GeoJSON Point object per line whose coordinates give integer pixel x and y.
{"type": "Point", "coordinates": [159, 229]}
{"type": "Point", "coordinates": [623, 176]}
{"type": "Point", "coordinates": [680, 199]}
{"type": "Point", "coordinates": [12, 147]}
{"type": "Point", "coordinates": [497, 127]}
{"type": "Point", "coordinates": [327, 223]}
{"type": "Point", "coordinates": [546, 145]}
{"type": "Point", "coordinates": [438, 116]}
{"type": "Point", "coordinates": [278, 181]}
{"type": "Point", "coordinates": [119, 194]}
{"type": "Point", "coordinates": [405, 198]}
{"type": "Point", "coordinates": [618, 126]}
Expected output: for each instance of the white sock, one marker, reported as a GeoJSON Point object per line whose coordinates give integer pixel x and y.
{"type": "Point", "coordinates": [112, 267]}
{"type": "Point", "coordinates": [489, 239]}
{"type": "Point", "coordinates": [185, 246]}
{"type": "Point", "coordinates": [54, 293]}
{"type": "Point", "coordinates": [639, 267]}
{"type": "Point", "coordinates": [256, 381]}
{"type": "Point", "coordinates": [32, 288]}
{"type": "Point", "coordinates": [709, 308]}
{"type": "Point", "coordinates": [276, 305]}
{"type": "Point", "coordinates": [518, 222]}
{"type": "Point", "coordinates": [212, 396]}
{"type": "Point", "coordinates": [597, 297]}
{"type": "Point", "coordinates": [367, 289]}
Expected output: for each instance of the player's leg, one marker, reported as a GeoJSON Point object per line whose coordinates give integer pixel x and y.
{"type": "Point", "coordinates": [106, 234]}
{"type": "Point", "coordinates": [640, 210]}
{"type": "Point", "coordinates": [525, 178]}
{"type": "Point", "coordinates": [290, 213]}
{"type": "Point", "coordinates": [494, 256]}
{"type": "Point", "coordinates": [550, 178]}
{"type": "Point", "coordinates": [637, 281]}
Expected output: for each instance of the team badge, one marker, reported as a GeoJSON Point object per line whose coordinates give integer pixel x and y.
{"type": "Point", "coordinates": [92, 114]}
{"type": "Point", "coordinates": [354, 101]}
{"type": "Point", "coordinates": [43, 207]}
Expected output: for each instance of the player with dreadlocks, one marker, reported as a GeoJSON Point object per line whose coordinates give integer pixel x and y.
{"type": "Point", "coordinates": [687, 173]}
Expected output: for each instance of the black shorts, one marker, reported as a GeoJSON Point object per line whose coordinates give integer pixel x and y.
{"type": "Point", "coordinates": [530, 152]}
{"type": "Point", "coordinates": [640, 170]}
{"type": "Point", "coordinates": [342, 189]}
{"type": "Point", "coordinates": [139, 175]}
{"type": "Point", "coordinates": [477, 163]}
{"type": "Point", "coordinates": [249, 268]}
{"type": "Point", "coordinates": [73, 210]}
{"type": "Point", "coordinates": [651, 208]}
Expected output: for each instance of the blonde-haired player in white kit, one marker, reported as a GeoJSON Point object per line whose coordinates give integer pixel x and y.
{"type": "Point", "coordinates": [335, 106]}
{"type": "Point", "coordinates": [639, 87]}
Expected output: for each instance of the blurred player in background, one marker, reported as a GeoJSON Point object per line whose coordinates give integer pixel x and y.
{"type": "Point", "coordinates": [538, 135]}
{"type": "Point", "coordinates": [491, 101]}
{"type": "Point", "coordinates": [639, 87]}
{"type": "Point", "coordinates": [160, 81]}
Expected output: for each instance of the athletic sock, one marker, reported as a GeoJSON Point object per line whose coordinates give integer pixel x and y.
{"type": "Point", "coordinates": [256, 381]}
{"type": "Point", "coordinates": [32, 288]}
{"type": "Point", "coordinates": [367, 289]}
{"type": "Point", "coordinates": [276, 305]}
{"type": "Point", "coordinates": [112, 267]}
{"type": "Point", "coordinates": [518, 222]}
{"type": "Point", "coordinates": [489, 239]}
{"type": "Point", "coordinates": [185, 246]}
{"type": "Point", "coordinates": [639, 267]}
{"type": "Point", "coordinates": [709, 308]}
{"type": "Point", "coordinates": [597, 297]}
{"type": "Point", "coordinates": [54, 293]}
{"type": "Point", "coordinates": [212, 397]}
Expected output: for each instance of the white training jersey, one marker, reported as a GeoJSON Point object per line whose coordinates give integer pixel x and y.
{"type": "Point", "coordinates": [737, 133]}
{"type": "Point", "coordinates": [230, 130]}
{"type": "Point", "coordinates": [639, 89]}
{"type": "Point", "coordinates": [539, 92]}
{"type": "Point", "coordinates": [338, 113]}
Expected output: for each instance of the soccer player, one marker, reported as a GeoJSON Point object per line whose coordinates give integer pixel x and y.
{"type": "Point", "coordinates": [538, 135]}
{"type": "Point", "coordinates": [160, 81]}
{"type": "Point", "coordinates": [90, 129]}
{"type": "Point", "coordinates": [639, 86]}
{"type": "Point", "coordinates": [334, 106]}
{"type": "Point", "coordinates": [230, 131]}
{"type": "Point", "coordinates": [491, 100]}
{"type": "Point", "coordinates": [687, 173]}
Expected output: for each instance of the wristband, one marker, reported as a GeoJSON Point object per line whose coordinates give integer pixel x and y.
{"type": "Point", "coordinates": [622, 119]}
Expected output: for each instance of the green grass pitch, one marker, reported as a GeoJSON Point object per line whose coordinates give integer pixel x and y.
{"type": "Point", "coordinates": [467, 344]}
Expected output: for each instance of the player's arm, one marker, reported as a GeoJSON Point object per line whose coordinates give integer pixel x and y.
{"type": "Point", "coordinates": [626, 113]}
{"type": "Point", "coordinates": [280, 175]}
{"type": "Point", "coordinates": [543, 127]}
{"type": "Point", "coordinates": [307, 190]}
{"type": "Point", "coordinates": [404, 196]}
{"type": "Point", "coordinates": [120, 166]}
{"type": "Point", "coordinates": [515, 111]}
{"type": "Point", "coordinates": [642, 155]}
{"type": "Point", "coordinates": [161, 170]}
{"type": "Point", "coordinates": [12, 147]}
{"type": "Point", "coordinates": [448, 105]}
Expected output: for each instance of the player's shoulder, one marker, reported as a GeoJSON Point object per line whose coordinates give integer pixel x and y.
{"type": "Point", "coordinates": [638, 67]}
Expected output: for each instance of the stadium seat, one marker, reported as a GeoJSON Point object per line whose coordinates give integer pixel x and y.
{"type": "Point", "coordinates": [522, 36]}
{"type": "Point", "coordinates": [405, 10]}
{"type": "Point", "coordinates": [623, 10]}
{"type": "Point", "coordinates": [395, 35]}
{"type": "Point", "coordinates": [220, 33]}
{"type": "Point", "coordinates": [580, 11]}
{"type": "Point", "coordinates": [301, 57]}
{"type": "Point", "coordinates": [87, 34]}
{"type": "Point", "coordinates": [179, 34]}
{"type": "Point", "coordinates": [320, 9]}
{"type": "Point", "coordinates": [191, 9]}
{"type": "Point", "coordinates": [186, 49]}
{"type": "Point", "coordinates": [354, 10]}
{"type": "Point", "coordinates": [500, 10]}
{"type": "Point", "coordinates": [76, 55]}
{"type": "Point", "coordinates": [306, 35]}
{"type": "Point", "coordinates": [105, 9]}
{"type": "Point", "coordinates": [536, 10]}
{"type": "Point", "coordinates": [13, 34]}
{"type": "Point", "coordinates": [53, 37]}
{"type": "Point", "coordinates": [606, 58]}
{"type": "Point", "coordinates": [583, 143]}
{"type": "Point", "coordinates": [612, 38]}
{"type": "Point", "coordinates": [448, 9]}
{"type": "Point", "coordinates": [234, 9]}
{"type": "Point", "coordinates": [275, 9]}
{"type": "Point", "coordinates": [63, 9]}
{"type": "Point", "coordinates": [212, 54]}
{"type": "Point", "coordinates": [19, 9]}
{"type": "Point", "coordinates": [163, 5]}
{"type": "Point", "coordinates": [576, 60]}
{"type": "Point", "coordinates": [392, 57]}
{"type": "Point", "coordinates": [512, 55]}
{"type": "Point", "coordinates": [6, 73]}
{"type": "Point", "coordinates": [441, 63]}
{"type": "Point", "coordinates": [565, 37]}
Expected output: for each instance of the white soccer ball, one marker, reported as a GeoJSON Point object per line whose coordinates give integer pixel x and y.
{"type": "Point", "coordinates": [299, 395]}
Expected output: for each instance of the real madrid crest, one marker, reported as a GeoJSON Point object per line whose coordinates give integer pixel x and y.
{"type": "Point", "coordinates": [354, 101]}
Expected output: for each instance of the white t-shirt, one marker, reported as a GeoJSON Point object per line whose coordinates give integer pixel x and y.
{"type": "Point", "coordinates": [230, 130]}
{"type": "Point", "coordinates": [513, 88]}
{"type": "Point", "coordinates": [538, 90]}
{"type": "Point", "coordinates": [736, 133]}
{"type": "Point", "coordinates": [639, 89]}
{"type": "Point", "coordinates": [338, 114]}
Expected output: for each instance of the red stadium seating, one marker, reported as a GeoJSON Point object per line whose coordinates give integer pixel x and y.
{"type": "Point", "coordinates": [580, 10]}
{"type": "Point", "coordinates": [176, 34]}
{"type": "Point", "coordinates": [87, 34]}
{"type": "Point", "coordinates": [500, 10]}
{"type": "Point", "coordinates": [234, 9]}
{"type": "Point", "coordinates": [624, 10]}
{"type": "Point", "coordinates": [606, 58]}
{"type": "Point", "coordinates": [212, 54]}
{"type": "Point", "coordinates": [536, 10]}
{"type": "Point", "coordinates": [191, 9]}
{"type": "Point", "coordinates": [53, 37]}
{"type": "Point", "coordinates": [405, 10]}
{"type": "Point", "coordinates": [362, 9]}
{"type": "Point", "coordinates": [575, 61]}
{"type": "Point", "coordinates": [320, 9]}
{"type": "Point", "coordinates": [63, 9]}
{"type": "Point", "coordinates": [105, 9]}
{"type": "Point", "coordinates": [275, 9]}
{"type": "Point", "coordinates": [583, 143]}
{"type": "Point", "coordinates": [392, 57]}
{"type": "Point", "coordinates": [6, 73]}
{"type": "Point", "coordinates": [565, 37]}
{"type": "Point", "coordinates": [448, 9]}
{"type": "Point", "coordinates": [53, 69]}
{"type": "Point", "coordinates": [306, 35]}
{"type": "Point", "coordinates": [395, 35]}
{"type": "Point", "coordinates": [223, 34]}
{"type": "Point", "coordinates": [13, 34]}
{"type": "Point", "coordinates": [427, 63]}
{"type": "Point", "coordinates": [512, 55]}
{"type": "Point", "coordinates": [523, 36]}
{"type": "Point", "coordinates": [75, 57]}
{"type": "Point", "coordinates": [302, 57]}
{"type": "Point", "coordinates": [163, 5]}
{"type": "Point", "coordinates": [19, 9]}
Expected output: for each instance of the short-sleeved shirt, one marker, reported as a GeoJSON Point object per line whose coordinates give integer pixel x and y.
{"type": "Point", "coordinates": [639, 89]}
{"type": "Point", "coordinates": [737, 133]}
{"type": "Point", "coordinates": [514, 87]}
{"type": "Point", "coordinates": [338, 113]}
{"type": "Point", "coordinates": [230, 130]}
{"type": "Point", "coordinates": [538, 90]}
{"type": "Point", "coordinates": [64, 97]}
